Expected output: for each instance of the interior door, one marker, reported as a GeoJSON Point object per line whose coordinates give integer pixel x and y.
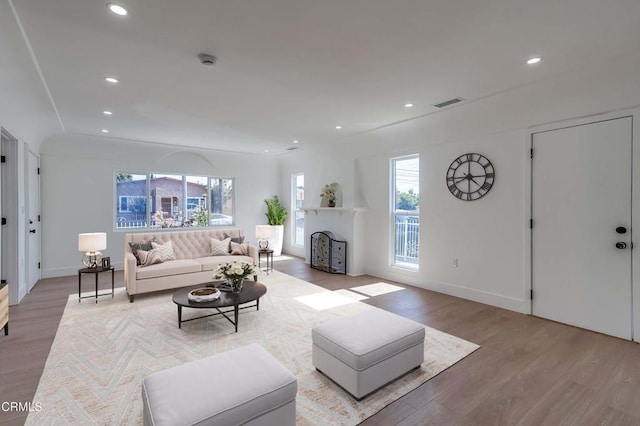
{"type": "Point", "coordinates": [33, 242]}
{"type": "Point", "coordinates": [581, 201]}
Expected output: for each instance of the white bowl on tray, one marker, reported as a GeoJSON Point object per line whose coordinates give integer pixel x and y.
{"type": "Point", "coordinates": [204, 294]}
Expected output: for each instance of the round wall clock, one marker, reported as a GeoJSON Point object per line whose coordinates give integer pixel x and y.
{"type": "Point", "coordinates": [470, 177]}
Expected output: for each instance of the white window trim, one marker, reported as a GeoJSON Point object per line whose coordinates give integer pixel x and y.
{"type": "Point", "coordinates": [295, 209]}
{"type": "Point", "coordinates": [405, 267]}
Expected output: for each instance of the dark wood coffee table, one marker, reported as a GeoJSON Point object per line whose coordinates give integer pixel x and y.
{"type": "Point", "coordinates": [251, 291]}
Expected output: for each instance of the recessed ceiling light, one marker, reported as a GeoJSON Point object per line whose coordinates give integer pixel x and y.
{"type": "Point", "coordinates": [296, 141]}
{"type": "Point", "coordinates": [117, 9]}
{"type": "Point", "coordinates": [104, 131]}
{"type": "Point", "coordinates": [266, 150]}
{"type": "Point", "coordinates": [338, 127]}
{"type": "Point", "coordinates": [534, 60]}
{"type": "Point", "coordinates": [105, 112]}
{"type": "Point", "coordinates": [111, 79]}
{"type": "Point", "coordinates": [408, 105]}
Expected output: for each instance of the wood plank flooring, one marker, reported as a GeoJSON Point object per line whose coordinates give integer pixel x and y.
{"type": "Point", "coordinates": [529, 371]}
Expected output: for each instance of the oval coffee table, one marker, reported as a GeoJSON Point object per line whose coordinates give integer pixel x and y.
{"type": "Point", "coordinates": [251, 291]}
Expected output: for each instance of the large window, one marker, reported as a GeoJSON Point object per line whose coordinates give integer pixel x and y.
{"type": "Point", "coordinates": [405, 205]}
{"type": "Point", "coordinates": [297, 203]}
{"type": "Point", "coordinates": [156, 200]}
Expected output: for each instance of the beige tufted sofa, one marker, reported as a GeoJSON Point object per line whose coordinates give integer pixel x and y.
{"type": "Point", "coordinates": [193, 264]}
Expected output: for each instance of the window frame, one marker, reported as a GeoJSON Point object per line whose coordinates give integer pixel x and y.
{"type": "Point", "coordinates": [394, 213]}
{"type": "Point", "coordinates": [295, 210]}
{"type": "Point", "coordinates": [148, 207]}
{"type": "Point", "coordinates": [128, 197]}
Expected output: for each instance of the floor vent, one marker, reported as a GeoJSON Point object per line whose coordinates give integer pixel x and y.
{"type": "Point", "coordinates": [292, 148]}
{"type": "Point", "coordinates": [449, 102]}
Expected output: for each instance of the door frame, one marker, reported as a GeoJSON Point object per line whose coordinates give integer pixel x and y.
{"type": "Point", "coordinates": [634, 113]}
{"type": "Point", "coordinates": [38, 247]}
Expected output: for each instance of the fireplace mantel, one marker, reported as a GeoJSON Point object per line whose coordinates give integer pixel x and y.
{"type": "Point", "coordinates": [340, 210]}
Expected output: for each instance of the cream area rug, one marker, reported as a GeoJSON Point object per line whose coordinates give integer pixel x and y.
{"type": "Point", "coordinates": [102, 352]}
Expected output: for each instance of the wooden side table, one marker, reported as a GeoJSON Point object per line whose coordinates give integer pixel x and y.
{"type": "Point", "coordinates": [95, 271]}
{"type": "Point", "coordinates": [4, 307]}
{"type": "Point", "coordinates": [269, 255]}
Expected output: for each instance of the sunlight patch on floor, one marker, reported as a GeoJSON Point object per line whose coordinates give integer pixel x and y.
{"type": "Point", "coordinates": [325, 300]}
{"type": "Point", "coordinates": [377, 289]}
{"type": "Point", "coordinates": [351, 294]}
{"type": "Point", "coordinates": [282, 257]}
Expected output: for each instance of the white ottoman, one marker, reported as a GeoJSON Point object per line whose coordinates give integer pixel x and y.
{"type": "Point", "coordinates": [244, 386]}
{"type": "Point", "coordinates": [365, 351]}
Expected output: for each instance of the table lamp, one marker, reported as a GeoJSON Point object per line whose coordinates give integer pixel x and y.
{"type": "Point", "coordinates": [263, 233]}
{"type": "Point", "coordinates": [91, 243]}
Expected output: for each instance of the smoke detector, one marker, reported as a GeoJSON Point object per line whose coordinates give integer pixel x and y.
{"type": "Point", "coordinates": [207, 60]}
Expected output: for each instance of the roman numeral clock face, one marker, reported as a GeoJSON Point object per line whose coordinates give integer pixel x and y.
{"type": "Point", "coordinates": [470, 177]}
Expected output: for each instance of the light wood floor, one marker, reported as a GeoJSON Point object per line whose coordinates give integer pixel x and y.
{"type": "Point", "coordinates": [528, 371]}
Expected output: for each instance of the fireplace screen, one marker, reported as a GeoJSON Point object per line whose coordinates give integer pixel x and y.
{"type": "Point", "coordinates": [328, 253]}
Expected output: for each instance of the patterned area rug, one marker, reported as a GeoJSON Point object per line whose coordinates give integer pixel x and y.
{"type": "Point", "coordinates": [102, 352]}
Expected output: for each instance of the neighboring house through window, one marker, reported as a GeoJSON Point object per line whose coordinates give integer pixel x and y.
{"type": "Point", "coordinates": [168, 201]}
{"type": "Point", "coordinates": [405, 218]}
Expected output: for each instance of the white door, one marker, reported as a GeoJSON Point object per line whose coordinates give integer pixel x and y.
{"type": "Point", "coordinates": [33, 241]}
{"type": "Point", "coordinates": [581, 193]}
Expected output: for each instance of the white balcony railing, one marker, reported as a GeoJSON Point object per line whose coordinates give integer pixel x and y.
{"type": "Point", "coordinates": [407, 230]}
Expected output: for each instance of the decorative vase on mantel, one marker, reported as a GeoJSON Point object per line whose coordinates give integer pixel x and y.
{"type": "Point", "coordinates": [235, 284]}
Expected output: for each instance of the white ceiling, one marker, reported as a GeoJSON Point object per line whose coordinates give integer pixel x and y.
{"type": "Point", "coordinates": [294, 69]}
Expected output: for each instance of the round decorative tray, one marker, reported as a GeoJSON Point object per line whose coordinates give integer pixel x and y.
{"type": "Point", "coordinates": [205, 294]}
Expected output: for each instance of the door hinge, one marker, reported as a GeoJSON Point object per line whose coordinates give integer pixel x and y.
{"type": "Point", "coordinates": [531, 153]}
{"type": "Point", "coordinates": [38, 265]}
{"type": "Point", "coordinates": [4, 220]}
{"type": "Point", "coordinates": [530, 223]}
{"type": "Point", "coordinates": [3, 159]}
{"type": "Point", "coordinates": [38, 170]}
{"type": "Point", "coordinates": [531, 294]}
{"type": "Point", "coordinates": [38, 218]}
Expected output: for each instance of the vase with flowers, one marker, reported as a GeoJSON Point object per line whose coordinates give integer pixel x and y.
{"type": "Point", "coordinates": [234, 273]}
{"type": "Point", "coordinates": [328, 194]}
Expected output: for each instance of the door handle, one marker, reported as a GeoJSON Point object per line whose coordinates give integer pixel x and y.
{"type": "Point", "coordinates": [621, 245]}
{"type": "Point", "coordinates": [33, 231]}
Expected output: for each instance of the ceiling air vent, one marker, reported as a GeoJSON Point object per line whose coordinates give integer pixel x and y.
{"type": "Point", "coordinates": [292, 148]}
{"type": "Point", "coordinates": [449, 102]}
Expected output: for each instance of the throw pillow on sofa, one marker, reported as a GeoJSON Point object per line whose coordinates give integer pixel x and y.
{"type": "Point", "coordinates": [242, 249]}
{"type": "Point", "coordinates": [237, 240]}
{"type": "Point", "coordinates": [220, 248]}
{"type": "Point", "coordinates": [150, 257]}
{"type": "Point", "coordinates": [140, 246]}
{"type": "Point", "coordinates": [165, 250]}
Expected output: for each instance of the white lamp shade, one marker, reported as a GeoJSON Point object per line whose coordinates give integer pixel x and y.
{"type": "Point", "coordinates": [92, 241]}
{"type": "Point", "coordinates": [263, 232]}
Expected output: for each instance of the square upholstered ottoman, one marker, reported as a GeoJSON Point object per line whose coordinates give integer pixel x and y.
{"type": "Point", "coordinates": [365, 351]}
{"type": "Point", "coordinates": [243, 386]}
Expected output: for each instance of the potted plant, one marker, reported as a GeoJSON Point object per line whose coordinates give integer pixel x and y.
{"type": "Point", "coordinates": [276, 215]}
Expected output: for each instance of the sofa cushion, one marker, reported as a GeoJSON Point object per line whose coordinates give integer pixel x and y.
{"type": "Point", "coordinates": [147, 258]}
{"type": "Point", "coordinates": [165, 250]}
{"type": "Point", "coordinates": [143, 245]}
{"type": "Point", "coordinates": [210, 263]}
{"type": "Point", "coordinates": [175, 267]}
{"type": "Point", "coordinates": [220, 248]}
{"type": "Point", "coordinates": [237, 240]}
{"type": "Point", "coordinates": [242, 249]}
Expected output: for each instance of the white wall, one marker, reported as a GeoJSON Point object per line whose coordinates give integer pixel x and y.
{"type": "Point", "coordinates": [322, 167]}
{"type": "Point", "coordinates": [486, 236]}
{"type": "Point", "coordinates": [490, 237]}
{"type": "Point", "coordinates": [25, 108]}
{"type": "Point", "coordinates": [78, 190]}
